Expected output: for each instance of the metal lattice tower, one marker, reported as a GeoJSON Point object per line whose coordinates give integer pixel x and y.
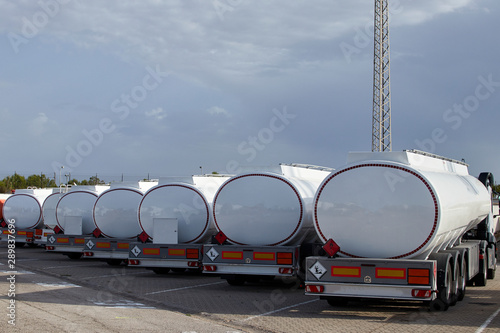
{"type": "Point", "coordinates": [381, 123]}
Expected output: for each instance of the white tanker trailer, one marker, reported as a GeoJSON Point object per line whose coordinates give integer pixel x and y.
{"type": "Point", "coordinates": [74, 220]}
{"type": "Point", "coordinates": [25, 208]}
{"type": "Point", "coordinates": [115, 210]}
{"type": "Point", "coordinates": [402, 225]}
{"type": "Point", "coordinates": [176, 220]}
{"type": "Point", "coordinates": [49, 208]}
{"type": "Point", "coordinates": [115, 221]}
{"type": "Point", "coordinates": [22, 211]}
{"type": "Point", "coordinates": [76, 205]}
{"type": "Point", "coordinates": [264, 221]}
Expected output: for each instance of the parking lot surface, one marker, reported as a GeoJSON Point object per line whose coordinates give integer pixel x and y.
{"type": "Point", "coordinates": [55, 293]}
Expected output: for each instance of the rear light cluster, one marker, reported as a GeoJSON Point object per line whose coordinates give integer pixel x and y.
{"type": "Point", "coordinates": [88, 254]}
{"type": "Point", "coordinates": [49, 248]}
{"type": "Point", "coordinates": [418, 276]}
{"type": "Point", "coordinates": [133, 262]}
{"type": "Point", "coordinates": [284, 258]}
{"type": "Point", "coordinates": [192, 254]}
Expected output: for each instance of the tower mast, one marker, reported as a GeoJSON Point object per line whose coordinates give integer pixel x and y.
{"type": "Point", "coordinates": [381, 122]}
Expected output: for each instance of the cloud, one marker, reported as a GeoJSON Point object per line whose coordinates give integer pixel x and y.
{"type": "Point", "coordinates": [192, 39]}
{"type": "Point", "coordinates": [215, 111]}
{"type": "Point", "coordinates": [230, 70]}
{"type": "Point", "coordinates": [157, 113]}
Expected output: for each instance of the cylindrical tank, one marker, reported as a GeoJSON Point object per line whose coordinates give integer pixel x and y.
{"type": "Point", "coordinates": [398, 204]}
{"type": "Point", "coordinates": [3, 197]}
{"type": "Point", "coordinates": [79, 201]}
{"type": "Point", "coordinates": [49, 208]}
{"type": "Point", "coordinates": [115, 210]}
{"type": "Point", "coordinates": [187, 200]}
{"type": "Point", "coordinates": [25, 208]}
{"type": "Point", "coordinates": [268, 208]}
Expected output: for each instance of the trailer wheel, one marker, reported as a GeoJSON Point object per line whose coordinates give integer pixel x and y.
{"type": "Point", "coordinates": [463, 279]}
{"type": "Point", "coordinates": [161, 271]}
{"type": "Point", "coordinates": [445, 282]}
{"type": "Point", "coordinates": [456, 282]}
{"type": "Point", "coordinates": [492, 271]}
{"type": "Point", "coordinates": [438, 305]}
{"type": "Point", "coordinates": [481, 278]}
{"type": "Point", "coordinates": [337, 301]}
{"type": "Point", "coordinates": [114, 262]}
{"type": "Point", "coordinates": [236, 281]}
{"type": "Point", "coordinates": [74, 256]}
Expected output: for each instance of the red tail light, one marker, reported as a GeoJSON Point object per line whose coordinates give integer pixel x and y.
{"type": "Point", "coordinates": [192, 254]}
{"type": "Point", "coordinates": [133, 262]}
{"type": "Point", "coordinates": [285, 258]}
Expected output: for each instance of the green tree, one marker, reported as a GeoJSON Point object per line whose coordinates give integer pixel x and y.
{"type": "Point", "coordinates": [40, 181]}
{"type": "Point", "coordinates": [3, 187]}
{"type": "Point", "coordinates": [496, 188]}
{"type": "Point", "coordinates": [14, 181]}
{"type": "Point", "coordinates": [94, 180]}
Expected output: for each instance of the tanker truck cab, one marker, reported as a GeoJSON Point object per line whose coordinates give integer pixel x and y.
{"type": "Point", "coordinates": [407, 226]}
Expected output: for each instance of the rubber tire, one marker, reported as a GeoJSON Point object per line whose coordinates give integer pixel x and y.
{"type": "Point", "coordinates": [161, 270]}
{"type": "Point", "coordinates": [235, 281]}
{"type": "Point", "coordinates": [74, 256]}
{"type": "Point", "coordinates": [454, 289]}
{"type": "Point", "coordinates": [445, 293]}
{"type": "Point", "coordinates": [114, 262]}
{"type": "Point", "coordinates": [482, 277]}
{"type": "Point", "coordinates": [442, 302]}
{"type": "Point", "coordinates": [337, 301]}
{"type": "Point", "coordinates": [492, 273]}
{"type": "Point", "coordinates": [463, 285]}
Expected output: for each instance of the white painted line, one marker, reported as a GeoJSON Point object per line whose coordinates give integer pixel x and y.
{"type": "Point", "coordinates": [488, 321]}
{"type": "Point", "coordinates": [67, 266]}
{"type": "Point", "coordinates": [278, 310]}
{"type": "Point", "coordinates": [57, 285]}
{"type": "Point", "coordinates": [15, 272]}
{"type": "Point", "coordinates": [27, 259]}
{"type": "Point", "coordinates": [1, 264]}
{"type": "Point", "coordinates": [183, 288]}
{"type": "Point", "coordinates": [123, 304]}
{"type": "Point", "coordinates": [111, 275]}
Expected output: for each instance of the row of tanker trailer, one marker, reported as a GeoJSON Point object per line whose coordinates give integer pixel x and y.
{"type": "Point", "coordinates": [404, 225]}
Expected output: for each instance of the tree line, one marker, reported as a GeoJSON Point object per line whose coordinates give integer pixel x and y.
{"type": "Point", "coordinates": [16, 181]}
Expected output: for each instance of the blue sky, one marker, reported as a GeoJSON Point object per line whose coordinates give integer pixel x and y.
{"type": "Point", "coordinates": [164, 87]}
